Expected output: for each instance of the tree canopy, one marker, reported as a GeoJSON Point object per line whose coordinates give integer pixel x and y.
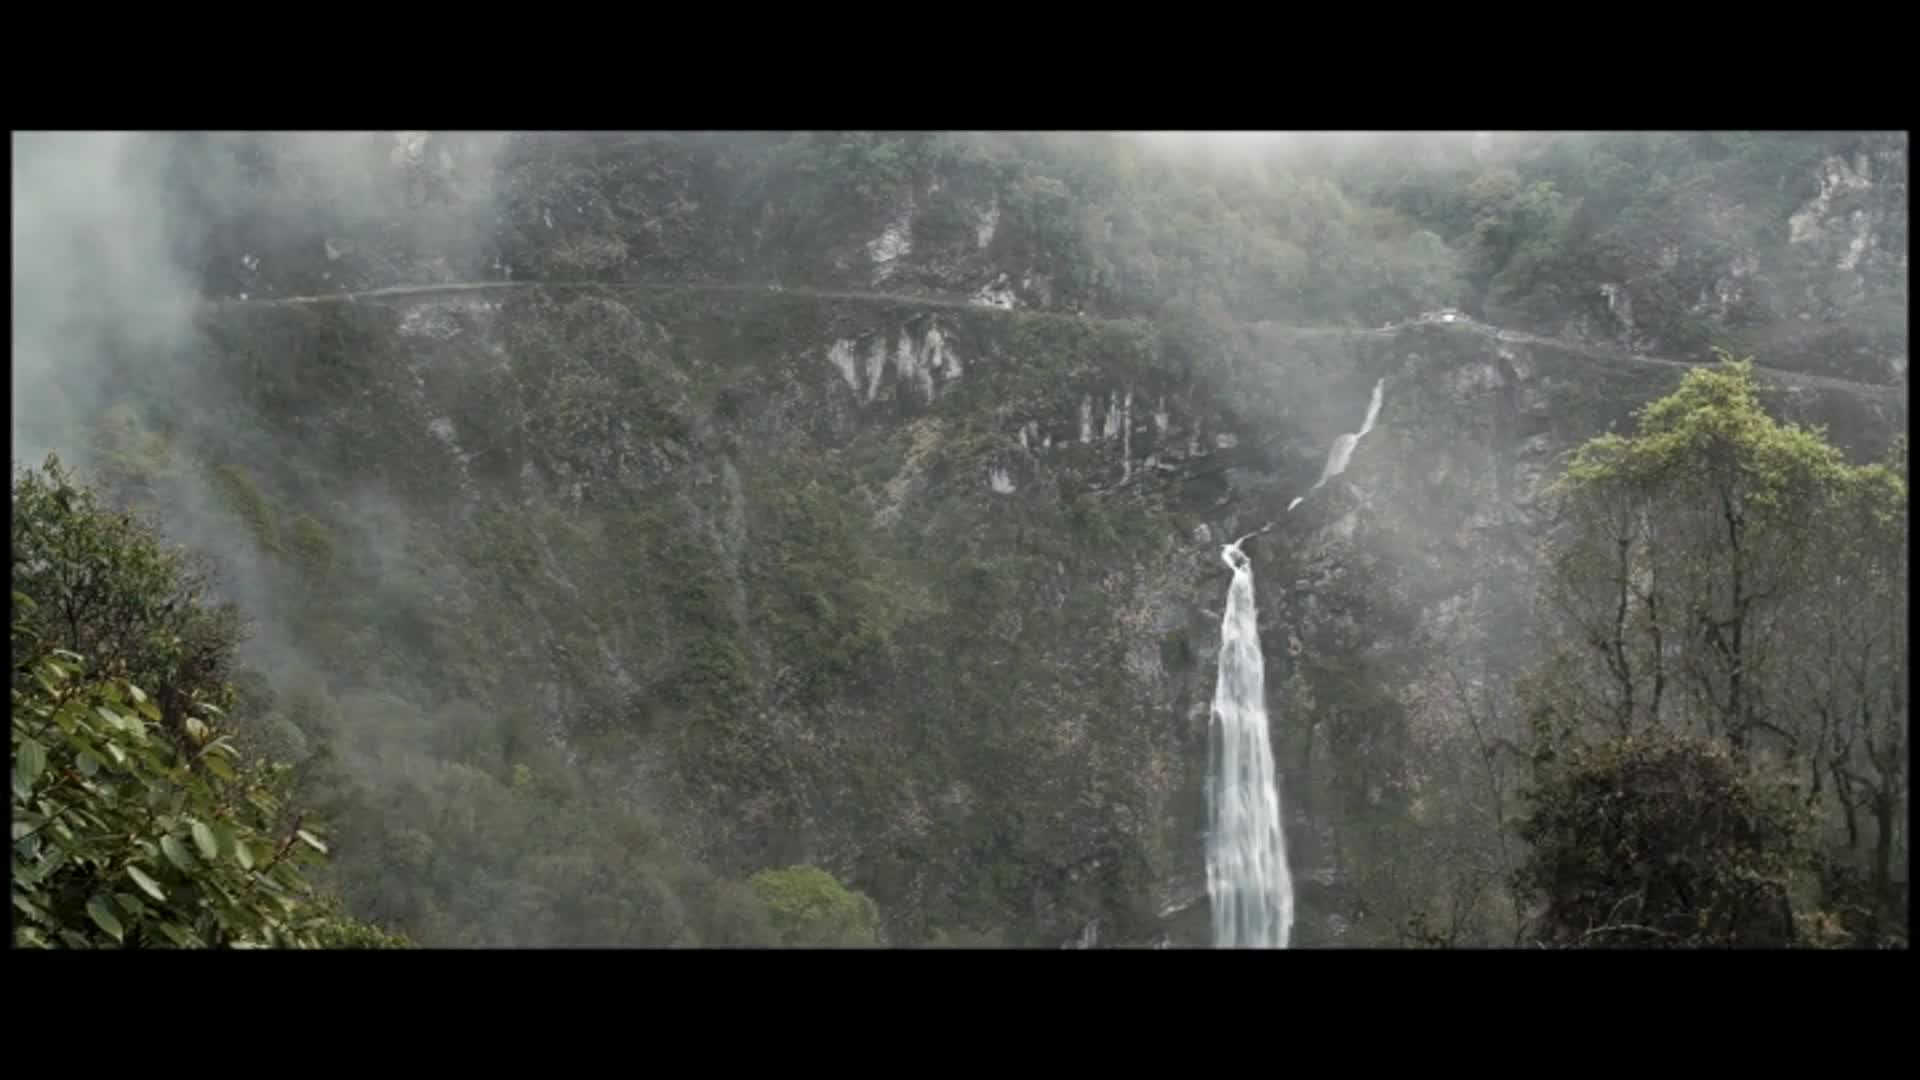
{"type": "Point", "coordinates": [138, 821]}
{"type": "Point", "coordinates": [1725, 578]}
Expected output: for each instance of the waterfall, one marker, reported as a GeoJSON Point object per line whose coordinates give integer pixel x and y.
{"type": "Point", "coordinates": [1248, 882]}
{"type": "Point", "coordinates": [1343, 446]}
{"type": "Point", "coordinates": [1373, 408]}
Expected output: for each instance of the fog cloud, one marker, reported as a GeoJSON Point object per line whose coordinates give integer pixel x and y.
{"type": "Point", "coordinates": [94, 273]}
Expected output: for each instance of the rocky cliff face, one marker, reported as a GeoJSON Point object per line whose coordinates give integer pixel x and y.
{"type": "Point", "coordinates": [1812, 274]}
{"type": "Point", "coordinates": [828, 578]}
{"type": "Point", "coordinates": [849, 541]}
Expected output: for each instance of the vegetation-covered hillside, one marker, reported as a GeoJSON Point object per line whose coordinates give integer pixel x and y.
{"type": "Point", "coordinates": [813, 539]}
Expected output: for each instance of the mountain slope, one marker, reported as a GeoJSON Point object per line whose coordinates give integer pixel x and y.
{"type": "Point", "coordinates": [906, 568]}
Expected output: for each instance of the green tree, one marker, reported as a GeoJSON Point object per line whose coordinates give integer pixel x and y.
{"type": "Point", "coordinates": [1660, 840]}
{"type": "Point", "coordinates": [1727, 577]}
{"type": "Point", "coordinates": [810, 907]}
{"type": "Point", "coordinates": [1688, 556]}
{"type": "Point", "coordinates": [1852, 738]}
{"type": "Point", "coordinates": [125, 837]}
{"type": "Point", "coordinates": [137, 821]}
{"type": "Point", "coordinates": [105, 587]}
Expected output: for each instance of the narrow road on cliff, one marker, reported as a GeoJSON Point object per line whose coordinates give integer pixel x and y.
{"type": "Point", "coordinates": [934, 300]}
{"type": "Point", "coordinates": [923, 299]}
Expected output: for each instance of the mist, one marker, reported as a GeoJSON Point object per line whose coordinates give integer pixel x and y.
{"type": "Point", "coordinates": [120, 241]}
{"type": "Point", "coordinates": [95, 274]}
{"type": "Point", "coordinates": [105, 300]}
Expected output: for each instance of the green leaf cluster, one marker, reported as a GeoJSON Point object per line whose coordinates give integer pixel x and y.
{"type": "Point", "coordinates": [138, 819]}
{"type": "Point", "coordinates": [129, 833]}
{"type": "Point", "coordinates": [810, 907]}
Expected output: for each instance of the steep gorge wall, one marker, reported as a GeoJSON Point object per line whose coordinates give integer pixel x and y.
{"type": "Point", "coordinates": [925, 595]}
{"type": "Point", "coordinates": [874, 619]}
{"type": "Point", "coordinates": [923, 591]}
{"type": "Point", "coordinates": [1788, 245]}
{"type": "Point", "coordinates": [1811, 274]}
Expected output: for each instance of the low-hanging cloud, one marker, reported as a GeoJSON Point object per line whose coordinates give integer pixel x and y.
{"type": "Point", "coordinates": [94, 272]}
{"type": "Point", "coordinates": [120, 238]}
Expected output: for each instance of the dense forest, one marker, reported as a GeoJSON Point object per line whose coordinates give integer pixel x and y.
{"type": "Point", "coordinates": [813, 540]}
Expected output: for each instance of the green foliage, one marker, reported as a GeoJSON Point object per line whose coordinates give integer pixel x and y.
{"type": "Point", "coordinates": [1674, 535]}
{"type": "Point", "coordinates": [715, 678]}
{"type": "Point", "coordinates": [1659, 840]}
{"type": "Point", "coordinates": [131, 461]}
{"type": "Point", "coordinates": [1108, 223]}
{"type": "Point", "coordinates": [106, 588]}
{"type": "Point", "coordinates": [137, 821]}
{"type": "Point", "coordinates": [130, 832]}
{"type": "Point", "coordinates": [809, 907]}
{"type": "Point", "coordinates": [871, 166]}
{"type": "Point", "coordinates": [1294, 246]}
{"type": "Point", "coordinates": [853, 668]}
{"type": "Point", "coordinates": [946, 226]}
{"type": "Point", "coordinates": [830, 616]}
{"type": "Point", "coordinates": [1730, 579]}
{"type": "Point", "coordinates": [434, 835]}
{"type": "Point", "coordinates": [1541, 221]}
{"type": "Point", "coordinates": [311, 547]}
{"type": "Point", "coordinates": [242, 499]}
{"type": "Point", "coordinates": [464, 859]}
{"type": "Point", "coordinates": [1197, 336]}
{"type": "Point", "coordinates": [1092, 519]}
{"type": "Point", "coordinates": [1525, 228]}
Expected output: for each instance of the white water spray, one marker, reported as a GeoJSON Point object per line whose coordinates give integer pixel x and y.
{"type": "Point", "coordinates": [1343, 446]}
{"type": "Point", "coordinates": [1248, 883]}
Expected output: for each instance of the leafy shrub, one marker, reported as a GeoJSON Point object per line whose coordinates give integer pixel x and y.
{"type": "Point", "coordinates": [1660, 840]}
{"type": "Point", "coordinates": [810, 907]}
{"type": "Point", "coordinates": [126, 832]}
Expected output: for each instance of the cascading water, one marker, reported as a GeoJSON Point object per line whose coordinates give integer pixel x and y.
{"type": "Point", "coordinates": [1248, 882]}
{"type": "Point", "coordinates": [1343, 446]}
